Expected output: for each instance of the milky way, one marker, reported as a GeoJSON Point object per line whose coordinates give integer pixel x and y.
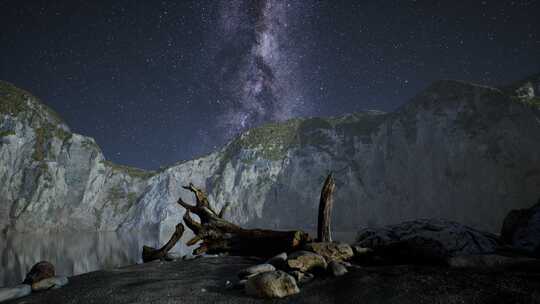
{"type": "Point", "coordinates": [263, 82]}
{"type": "Point", "coordinates": [155, 82]}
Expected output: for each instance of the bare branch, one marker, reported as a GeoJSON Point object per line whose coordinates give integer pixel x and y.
{"type": "Point", "coordinates": [150, 253]}
{"type": "Point", "coordinates": [225, 207]}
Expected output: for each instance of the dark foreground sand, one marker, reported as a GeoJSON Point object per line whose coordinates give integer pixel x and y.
{"type": "Point", "coordinates": [203, 281]}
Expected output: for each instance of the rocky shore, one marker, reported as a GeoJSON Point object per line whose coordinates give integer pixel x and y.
{"type": "Point", "coordinates": [204, 280]}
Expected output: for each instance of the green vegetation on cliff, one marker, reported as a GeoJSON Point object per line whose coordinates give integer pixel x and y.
{"type": "Point", "coordinates": [45, 122]}
{"type": "Point", "coordinates": [272, 141]}
{"type": "Point", "coordinates": [6, 133]}
{"type": "Point", "coordinates": [14, 101]}
{"type": "Point", "coordinates": [531, 102]}
{"type": "Point", "coordinates": [44, 134]}
{"type": "Point", "coordinates": [131, 171]}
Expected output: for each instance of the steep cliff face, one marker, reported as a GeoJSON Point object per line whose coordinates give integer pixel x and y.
{"type": "Point", "coordinates": [53, 179]}
{"type": "Point", "coordinates": [458, 151]}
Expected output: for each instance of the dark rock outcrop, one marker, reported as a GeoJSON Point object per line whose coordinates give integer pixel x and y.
{"type": "Point", "coordinates": [427, 241]}
{"type": "Point", "coordinates": [521, 229]}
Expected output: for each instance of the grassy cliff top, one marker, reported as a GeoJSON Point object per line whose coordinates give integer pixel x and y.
{"type": "Point", "coordinates": [15, 101]}
{"type": "Point", "coordinates": [47, 125]}
{"type": "Point", "coordinates": [273, 140]}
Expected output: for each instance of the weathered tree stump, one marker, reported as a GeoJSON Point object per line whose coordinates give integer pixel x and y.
{"type": "Point", "coordinates": [324, 233]}
{"type": "Point", "coordinates": [150, 253]}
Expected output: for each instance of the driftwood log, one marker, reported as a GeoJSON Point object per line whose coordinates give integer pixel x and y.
{"type": "Point", "coordinates": [217, 235]}
{"type": "Point", "coordinates": [220, 236]}
{"type": "Point", "coordinates": [150, 253]}
{"type": "Point", "coordinates": [324, 233]}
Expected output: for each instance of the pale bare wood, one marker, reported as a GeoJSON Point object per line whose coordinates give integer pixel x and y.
{"type": "Point", "coordinates": [220, 236]}
{"type": "Point", "coordinates": [324, 232]}
{"type": "Point", "coordinates": [150, 253]}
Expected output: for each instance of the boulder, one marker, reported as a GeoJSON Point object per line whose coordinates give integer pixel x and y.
{"type": "Point", "coordinates": [15, 292]}
{"type": "Point", "coordinates": [279, 261]}
{"type": "Point", "coordinates": [336, 269]}
{"type": "Point", "coordinates": [521, 229]}
{"type": "Point", "coordinates": [426, 241]}
{"type": "Point", "coordinates": [273, 284]}
{"type": "Point", "coordinates": [38, 272]}
{"type": "Point", "coordinates": [361, 251]}
{"type": "Point", "coordinates": [50, 283]}
{"type": "Point", "coordinates": [306, 261]}
{"type": "Point", "coordinates": [256, 269]}
{"type": "Point", "coordinates": [331, 251]}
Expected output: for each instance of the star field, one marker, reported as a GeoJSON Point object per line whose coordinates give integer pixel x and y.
{"type": "Point", "coordinates": [155, 82]}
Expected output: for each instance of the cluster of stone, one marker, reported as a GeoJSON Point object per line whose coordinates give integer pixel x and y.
{"type": "Point", "coordinates": [41, 277]}
{"type": "Point", "coordinates": [283, 274]}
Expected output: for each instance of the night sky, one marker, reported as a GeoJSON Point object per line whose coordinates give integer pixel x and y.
{"type": "Point", "coordinates": [155, 82]}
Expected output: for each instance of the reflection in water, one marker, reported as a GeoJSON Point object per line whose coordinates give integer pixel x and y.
{"type": "Point", "coordinates": [73, 253]}
{"type": "Point", "coordinates": [79, 252]}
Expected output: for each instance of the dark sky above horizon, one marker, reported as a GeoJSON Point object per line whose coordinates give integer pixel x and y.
{"type": "Point", "coordinates": [155, 82]}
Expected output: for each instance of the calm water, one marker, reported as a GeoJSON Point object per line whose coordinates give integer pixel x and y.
{"type": "Point", "coordinates": [72, 253]}
{"type": "Point", "coordinates": [76, 253]}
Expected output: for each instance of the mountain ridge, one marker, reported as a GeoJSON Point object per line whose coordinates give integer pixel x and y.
{"type": "Point", "coordinates": [272, 173]}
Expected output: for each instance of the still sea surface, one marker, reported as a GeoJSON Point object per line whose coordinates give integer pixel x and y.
{"type": "Point", "coordinates": [80, 252]}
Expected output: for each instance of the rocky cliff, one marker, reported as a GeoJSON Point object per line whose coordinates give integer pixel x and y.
{"type": "Point", "coordinates": [457, 150]}
{"type": "Point", "coordinates": [53, 179]}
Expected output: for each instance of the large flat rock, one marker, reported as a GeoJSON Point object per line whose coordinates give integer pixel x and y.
{"type": "Point", "coordinates": [203, 281]}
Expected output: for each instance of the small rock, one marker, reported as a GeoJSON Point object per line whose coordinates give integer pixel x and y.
{"type": "Point", "coordinates": [279, 261]}
{"type": "Point", "coordinates": [10, 293]}
{"type": "Point", "coordinates": [273, 284]}
{"type": "Point", "coordinates": [50, 283]}
{"type": "Point", "coordinates": [206, 255]}
{"type": "Point", "coordinates": [360, 251]}
{"type": "Point", "coordinates": [336, 269]}
{"type": "Point", "coordinates": [237, 285]}
{"type": "Point", "coordinates": [38, 272]}
{"type": "Point", "coordinates": [346, 264]}
{"type": "Point", "coordinates": [253, 270]}
{"type": "Point", "coordinates": [308, 277]}
{"type": "Point", "coordinates": [302, 277]}
{"type": "Point", "coordinates": [297, 275]}
{"type": "Point", "coordinates": [174, 256]}
{"type": "Point", "coordinates": [331, 251]}
{"type": "Point", "coordinates": [241, 283]}
{"type": "Point", "coordinates": [306, 261]}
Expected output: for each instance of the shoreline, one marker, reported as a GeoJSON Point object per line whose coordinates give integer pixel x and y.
{"type": "Point", "coordinates": [204, 280]}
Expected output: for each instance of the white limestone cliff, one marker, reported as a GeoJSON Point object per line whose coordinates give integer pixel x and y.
{"type": "Point", "coordinates": [458, 151]}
